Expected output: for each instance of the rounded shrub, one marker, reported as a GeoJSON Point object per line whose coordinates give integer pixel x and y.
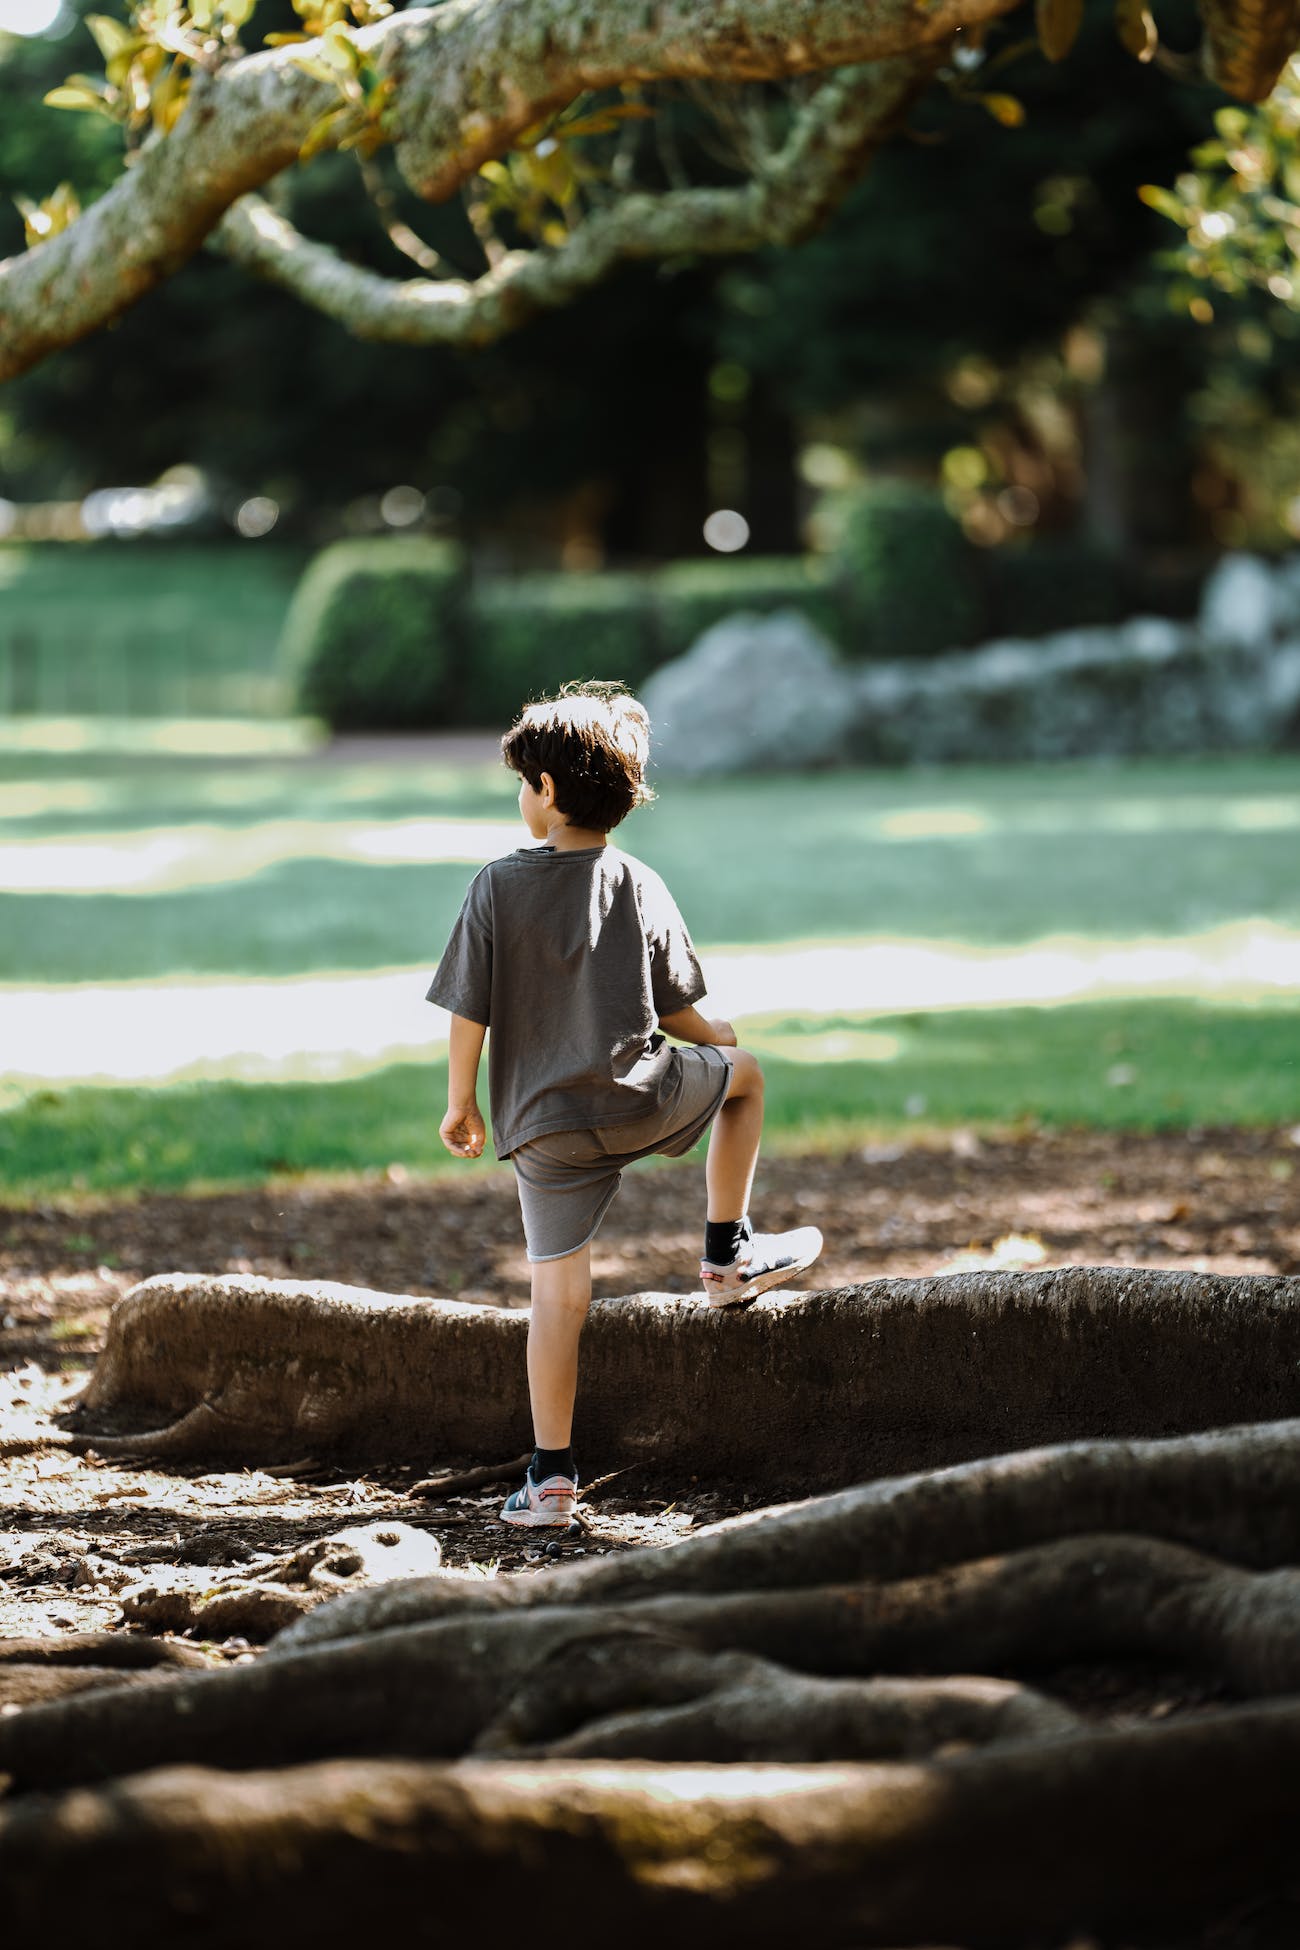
{"type": "Point", "coordinates": [531, 633]}
{"type": "Point", "coordinates": [912, 583]}
{"type": "Point", "coordinates": [690, 597]}
{"type": "Point", "coordinates": [373, 640]}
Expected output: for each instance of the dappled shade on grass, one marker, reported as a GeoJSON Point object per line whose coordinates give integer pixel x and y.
{"type": "Point", "coordinates": [1147, 1065]}
{"type": "Point", "coordinates": [966, 855]}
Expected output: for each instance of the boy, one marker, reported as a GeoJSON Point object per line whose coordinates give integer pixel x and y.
{"type": "Point", "coordinates": [579, 961]}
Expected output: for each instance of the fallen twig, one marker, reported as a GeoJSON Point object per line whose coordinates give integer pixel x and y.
{"type": "Point", "coordinates": [470, 1479]}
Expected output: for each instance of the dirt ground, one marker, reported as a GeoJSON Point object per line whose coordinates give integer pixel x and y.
{"type": "Point", "coordinates": [79, 1536]}
{"type": "Point", "coordinates": [75, 1531]}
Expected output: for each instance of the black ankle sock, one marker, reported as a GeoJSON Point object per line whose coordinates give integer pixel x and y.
{"type": "Point", "coordinates": [722, 1239]}
{"type": "Point", "coordinates": [551, 1462]}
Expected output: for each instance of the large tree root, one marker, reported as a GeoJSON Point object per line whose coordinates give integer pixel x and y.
{"type": "Point", "coordinates": [435, 1690]}
{"type": "Point", "coordinates": [37, 1685]}
{"type": "Point", "coordinates": [633, 1698]}
{"type": "Point", "coordinates": [100, 1649]}
{"type": "Point", "coordinates": [894, 1375]}
{"type": "Point", "coordinates": [35, 1671]}
{"type": "Point", "coordinates": [1233, 1492]}
{"type": "Point", "coordinates": [1004, 1847]}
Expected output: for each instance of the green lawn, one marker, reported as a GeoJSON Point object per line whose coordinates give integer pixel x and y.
{"type": "Point", "coordinates": [970, 856]}
{"type": "Point", "coordinates": [1133, 1066]}
{"type": "Point", "coordinates": [979, 856]}
{"type": "Point", "coordinates": [143, 629]}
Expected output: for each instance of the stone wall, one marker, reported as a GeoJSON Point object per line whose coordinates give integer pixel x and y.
{"type": "Point", "coordinates": [760, 691]}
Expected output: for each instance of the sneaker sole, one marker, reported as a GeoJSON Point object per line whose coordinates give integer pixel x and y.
{"type": "Point", "coordinates": [752, 1288]}
{"type": "Point", "coordinates": [537, 1519]}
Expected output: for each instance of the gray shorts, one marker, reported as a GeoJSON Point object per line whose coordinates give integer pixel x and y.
{"type": "Point", "coordinates": [567, 1179]}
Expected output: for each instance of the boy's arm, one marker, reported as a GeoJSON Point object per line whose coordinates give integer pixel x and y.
{"type": "Point", "coordinates": [462, 1129]}
{"type": "Point", "coordinates": [689, 1026]}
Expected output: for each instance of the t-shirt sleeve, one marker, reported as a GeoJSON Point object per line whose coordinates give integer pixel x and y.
{"type": "Point", "coordinates": [462, 983]}
{"type": "Point", "coordinates": [676, 978]}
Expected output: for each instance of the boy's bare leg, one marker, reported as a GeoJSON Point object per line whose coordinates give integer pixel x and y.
{"type": "Point", "coordinates": [734, 1140]}
{"type": "Point", "coordinates": [561, 1297]}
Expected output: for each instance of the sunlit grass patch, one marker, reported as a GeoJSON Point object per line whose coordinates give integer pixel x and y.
{"type": "Point", "coordinates": [1118, 1066]}
{"type": "Point", "coordinates": [46, 796]}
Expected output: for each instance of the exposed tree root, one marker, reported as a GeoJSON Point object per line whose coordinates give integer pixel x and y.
{"type": "Point", "coordinates": [633, 1700]}
{"type": "Point", "coordinates": [35, 1442]}
{"type": "Point", "coordinates": [100, 1649]}
{"type": "Point", "coordinates": [434, 1690]}
{"type": "Point", "coordinates": [825, 1633]}
{"type": "Point", "coordinates": [203, 1430]}
{"type": "Point", "coordinates": [36, 1685]}
{"type": "Point", "coordinates": [1233, 1492]}
{"type": "Point", "coordinates": [1002, 1847]}
{"type": "Point", "coordinates": [901, 1374]}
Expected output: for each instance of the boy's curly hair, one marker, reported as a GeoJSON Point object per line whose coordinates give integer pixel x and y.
{"type": "Point", "coordinates": [594, 740]}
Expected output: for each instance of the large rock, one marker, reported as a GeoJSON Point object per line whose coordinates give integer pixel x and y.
{"type": "Point", "coordinates": [1243, 603]}
{"type": "Point", "coordinates": [754, 691]}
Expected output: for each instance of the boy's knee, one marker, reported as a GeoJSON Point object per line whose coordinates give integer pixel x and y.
{"type": "Point", "coordinates": [747, 1074]}
{"type": "Point", "coordinates": [562, 1285]}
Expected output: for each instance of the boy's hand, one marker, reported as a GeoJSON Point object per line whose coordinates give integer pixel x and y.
{"type": "Point", "coordinates": [689, 1026]}
{"type": "Point", "coordinates": [462, 1130]}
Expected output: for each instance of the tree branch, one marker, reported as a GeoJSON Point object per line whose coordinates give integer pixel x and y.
{"type": "Point", "coordinates": [470, 75]}
{"type": "Point", "coordinates": [831, 144]}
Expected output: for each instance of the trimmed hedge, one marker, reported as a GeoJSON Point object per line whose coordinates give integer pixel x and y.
{"type": "Point", "coordinates": [912, 580]}
{"type": "Point", "coordinates": [374, 634]}
{"type": "Point", "coordinates": [391, 634]}
{"type": "Point", "coordinates": [690, 597]}
{"type": "Point", "coordinates": [529, 635]}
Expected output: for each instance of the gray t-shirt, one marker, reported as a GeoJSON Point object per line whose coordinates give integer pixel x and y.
{"type": "Point", "coordinates": [570, 958]}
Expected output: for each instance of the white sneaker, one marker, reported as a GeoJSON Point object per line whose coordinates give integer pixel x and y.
{"type": "Point", "coordinates": [552, 1501]}
{"type": "Point", "coordinates": [765, 1259]}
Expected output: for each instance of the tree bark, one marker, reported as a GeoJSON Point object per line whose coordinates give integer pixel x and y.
{"type": "Point", "coordinates": [1005, 1847]}
{"type": "Point", "coordinates": [469, 79]}
{"type": "Point", "coordinates": [867, 1381]}
{"type": "Point", "coordinates": [517, 1674]}
{"type": "Point", "coordinates": [1234, 1493]}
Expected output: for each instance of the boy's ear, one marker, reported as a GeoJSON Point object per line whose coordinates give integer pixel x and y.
{"type": "Point", "coordinates": [546, 787]}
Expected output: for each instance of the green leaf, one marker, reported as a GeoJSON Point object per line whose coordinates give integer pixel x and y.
{"type": "Point", "coordinates": [1233, 124]}
{"type": "Point", "coordinates": [339, 48]}
{"type": "Point", "coordinates": [110, 35]}
{"type": "Point", "coordinates": [1136, 28]}
{"type": "Point", "coordinates": [119, 67]}
{"type": "Point", "coordinates": [1004, 108]}
{"type": "Point", "coordinates": [322, 133]}
{"type": "Point", "coordinates": [319, 70]}
{"type": "Point", "coordinates": [1164, 203]}
{"type": "Point", "coordinates": [603, 121]}
{"type": "Point", "coordinates": [167, 99]}
{"type": "Point", "coordinates": [550, 170]}
{"type": "Point", "coordinates": [1058, 23]}
{"type": "Point", "coordinates": [80, 93]}
{"type": "Point", "coordinates": [52, 214]}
